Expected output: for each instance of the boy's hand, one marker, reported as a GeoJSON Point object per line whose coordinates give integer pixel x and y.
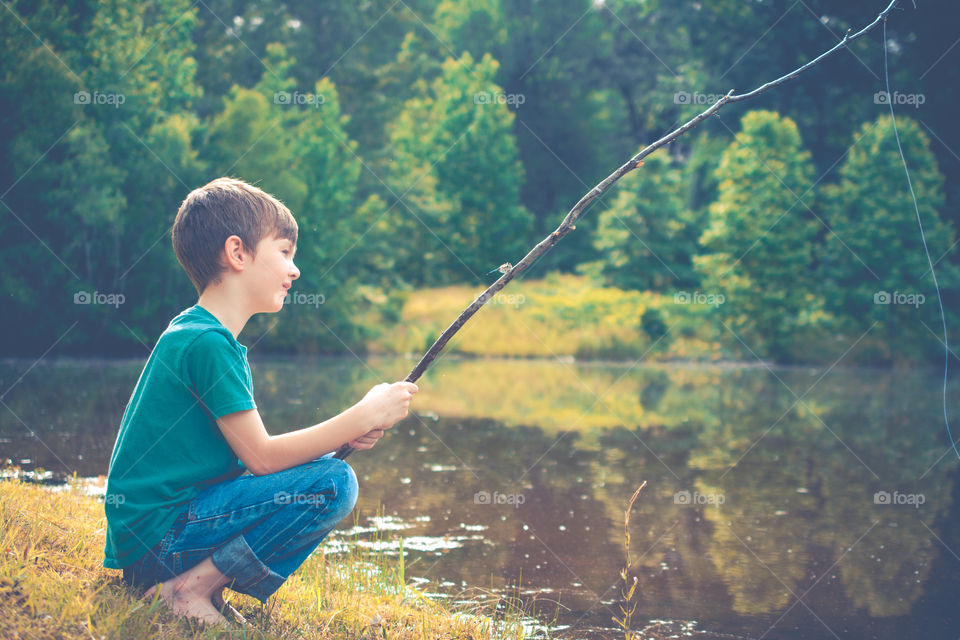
{"type": "Point", "coordinates": [367, 440]}
{"type": "Point", "coordinates": [388, 404]}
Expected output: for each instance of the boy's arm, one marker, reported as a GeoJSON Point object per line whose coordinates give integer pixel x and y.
{"type": "Point", "coordinates": [261, 453]}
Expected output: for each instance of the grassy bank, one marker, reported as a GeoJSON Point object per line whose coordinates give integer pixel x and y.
{"type": "Point", "coordinates": [52, 585]}
{"type": "Point", "coordinates": [562, 315]}
{"type": "Point", "coordinates": [571, 316]}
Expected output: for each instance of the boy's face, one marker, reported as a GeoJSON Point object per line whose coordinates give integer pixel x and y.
{"type": "Point", "coordinates": [271, 273]}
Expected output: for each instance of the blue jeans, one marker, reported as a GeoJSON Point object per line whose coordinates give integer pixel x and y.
{"type": "Point", "coordinates": [256, 529]}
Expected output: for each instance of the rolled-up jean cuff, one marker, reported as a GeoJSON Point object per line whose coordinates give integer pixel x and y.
{"type": "Point", "coordinates": [237, 560]}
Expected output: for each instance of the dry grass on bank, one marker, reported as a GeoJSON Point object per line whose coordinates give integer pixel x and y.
{"type": "Point", "coordinates": [52, 585]}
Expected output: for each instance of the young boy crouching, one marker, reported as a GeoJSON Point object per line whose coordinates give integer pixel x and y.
{"type": "Point", "coordinates": [180, 516]}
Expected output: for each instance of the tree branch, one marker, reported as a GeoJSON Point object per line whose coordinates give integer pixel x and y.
{"type": "Point", "coordinates": [636, 161]}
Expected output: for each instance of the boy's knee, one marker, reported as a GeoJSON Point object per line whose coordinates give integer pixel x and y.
{"type": "Point", "coordinates": [344, 480]}
{"type": "Point", "coordinates": [347, 487]}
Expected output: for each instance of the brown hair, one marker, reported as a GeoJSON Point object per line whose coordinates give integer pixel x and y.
{"type": "Point", "coordinates": [217, 210]}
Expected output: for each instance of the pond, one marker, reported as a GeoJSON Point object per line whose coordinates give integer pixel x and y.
{"type": "Point", "coordinates": [780, 503]}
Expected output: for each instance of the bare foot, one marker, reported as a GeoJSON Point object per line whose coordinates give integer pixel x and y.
{"type": "Point", "coordinates": [191, 593]}
{"type": "Point", "coordinates": [189, 605]}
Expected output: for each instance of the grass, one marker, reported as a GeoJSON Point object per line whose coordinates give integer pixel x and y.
{"type": "Point", "coordinates": [561, 315]}
{"type": "Point", "coordinates": [627, 605]}
{"type": "Point", "coordinates": [573, 317]}
{"type": "Point", "coordinates": [52, 585]}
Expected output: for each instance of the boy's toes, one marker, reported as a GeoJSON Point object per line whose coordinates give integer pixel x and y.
{"type": "Point", "coordinates": [149, 592]}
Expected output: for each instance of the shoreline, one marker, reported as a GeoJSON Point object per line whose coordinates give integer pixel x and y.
{"type": "Point", "coordinates": [656, 363]}
{"type": "Point", "coordinates": [53, 586]}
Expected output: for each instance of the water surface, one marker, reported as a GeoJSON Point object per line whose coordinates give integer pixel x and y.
{"type": "Point", "coordinates": [780, 503]}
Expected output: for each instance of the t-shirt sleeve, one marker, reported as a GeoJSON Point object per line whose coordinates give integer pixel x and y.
{"type": "Point", "coordinates": [219, 375]}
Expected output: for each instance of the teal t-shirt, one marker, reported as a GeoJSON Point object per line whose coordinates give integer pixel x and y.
{"type": "Point", "coordinates": [169, 447]}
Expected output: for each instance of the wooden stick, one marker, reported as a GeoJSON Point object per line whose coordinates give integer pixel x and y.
{"type": "Point", "coordinates": [636, 161]}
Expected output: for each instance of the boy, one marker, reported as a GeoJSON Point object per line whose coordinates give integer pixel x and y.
{"type": "Point", "coordinates": [180, 516]}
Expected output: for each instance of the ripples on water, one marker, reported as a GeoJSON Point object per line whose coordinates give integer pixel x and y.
{"type": "Point", "coordinates": [791, 503]}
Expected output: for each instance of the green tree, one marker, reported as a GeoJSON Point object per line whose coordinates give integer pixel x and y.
{"type": "Point", "coordinates": [99, 168]}
{"type": "Point", "coordinates": [568, 131]}
{"type": "Point", "coordinates": [475, 26]}
{"type": "Point", "coordinates": [292, 142]}
{"type": "Point", "coordinates": [143, 52]}
{"type": "Point", "coordinates": [643, 237]}
{"type": "Point", "coordinates": [37, 83]}
{"type": "Point", "coordinates": [874, 255]}
{"type": "Point", "coordinates": [759, 243]}
{"type": "Point", "coordinates": [456, 178]}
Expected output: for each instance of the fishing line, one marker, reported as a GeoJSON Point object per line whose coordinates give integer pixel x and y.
{"type": "Point", "coordinates": [923, 237]}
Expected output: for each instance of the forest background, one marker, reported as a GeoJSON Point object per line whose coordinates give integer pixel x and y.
{"type": "Point", "coordinates": [422, 143]}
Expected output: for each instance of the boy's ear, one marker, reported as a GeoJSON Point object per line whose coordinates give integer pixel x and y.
{"type": "Point", "coordinates": [235, 254]}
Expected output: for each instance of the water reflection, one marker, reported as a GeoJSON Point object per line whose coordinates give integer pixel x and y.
{"type": "Point", "coordinates": [816, 504]}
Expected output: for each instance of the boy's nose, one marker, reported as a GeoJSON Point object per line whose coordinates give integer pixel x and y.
{"type": "Point", "coordinates": [295, 272]}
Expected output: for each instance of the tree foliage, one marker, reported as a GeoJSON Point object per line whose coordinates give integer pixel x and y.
{"type": "Point", "coordinates": [759, 242]}
{"type": "Point", "coordinates": [874, 268]}
{"type": "Point", "coordinates": [645, 237]}
{"type": "Point", "coordinates": [456, 178]}
{"type": "Point", "coordinates": [429, 141]}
